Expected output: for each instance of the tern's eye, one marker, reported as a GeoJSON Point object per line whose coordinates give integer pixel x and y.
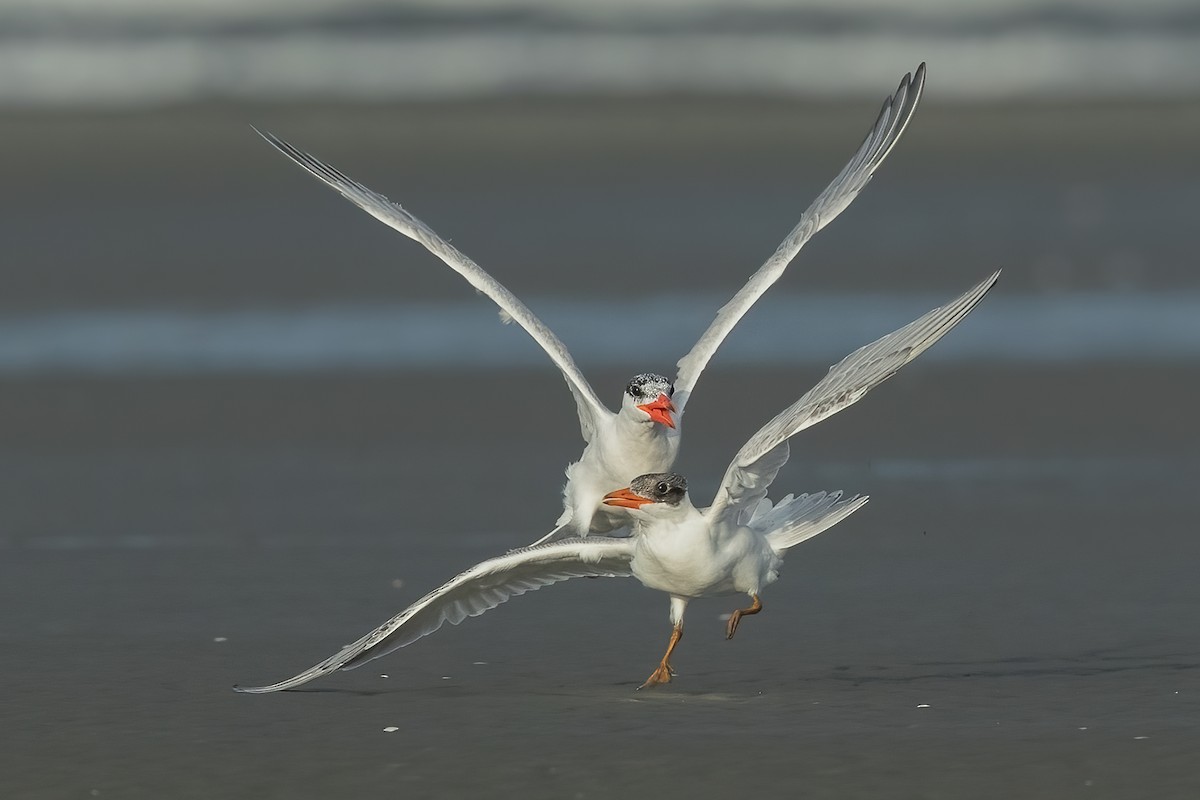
{"type": "Point", "coordinates": [662, 487]}
{"type": "Point", "coordinates": [635, 390]}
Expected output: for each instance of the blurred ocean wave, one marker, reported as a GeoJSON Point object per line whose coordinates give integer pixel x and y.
{"type": "Point", "coordinates": [68, 53]}
{"type": "Point", "coordinates": [811, 329]}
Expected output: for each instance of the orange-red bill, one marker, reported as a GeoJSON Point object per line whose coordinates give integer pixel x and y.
{"type": "Point", "coordinates": [625, 498]}
{"type": "Point", "coordinates": [660, 410]}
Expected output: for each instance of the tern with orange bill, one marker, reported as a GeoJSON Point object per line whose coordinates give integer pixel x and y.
{"type": "Point", "coordinates": [736, 545]}
{"type": "Point", "coordinates": [643, 436]}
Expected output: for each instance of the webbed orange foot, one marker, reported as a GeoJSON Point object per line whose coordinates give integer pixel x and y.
{"type": "Point", "coordinates": [663, 674]}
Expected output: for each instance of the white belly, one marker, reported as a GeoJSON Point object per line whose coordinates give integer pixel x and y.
{"type": "Point", "coordinates": [686, 561]}
{"type": "Point", "coordinates": [610, 463]}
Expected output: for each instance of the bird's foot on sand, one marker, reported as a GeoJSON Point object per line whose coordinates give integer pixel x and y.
{"type": "Point", "coordinates": [663, 674]}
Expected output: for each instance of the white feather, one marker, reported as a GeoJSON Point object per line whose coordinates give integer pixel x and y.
{"type": "Point", "coordinates": [889, 126]}
{"type": "Point", "coordinates": [473, 592]}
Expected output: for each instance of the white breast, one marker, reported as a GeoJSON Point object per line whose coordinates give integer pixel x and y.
{"type": "Point", "coordinates": [686, 559]}
{"type": "Point", "coordinates": [620, 452]}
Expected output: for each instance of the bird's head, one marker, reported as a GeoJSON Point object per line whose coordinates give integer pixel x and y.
{"type": "Point", "coordinates": [656, 492]}
{"type": "Point", "coordinates": [648, 397]}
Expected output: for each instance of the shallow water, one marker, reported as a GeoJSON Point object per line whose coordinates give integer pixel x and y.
{"type": "Point", "coordinates": [1070, 328]}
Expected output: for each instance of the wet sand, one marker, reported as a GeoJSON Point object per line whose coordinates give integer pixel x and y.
{"type": "Point", "coordinates": [190, 209]}
{"type": "Point", "coordinates": [1014, 613]}
{"type": "Point", "coordinates": [162, 551]}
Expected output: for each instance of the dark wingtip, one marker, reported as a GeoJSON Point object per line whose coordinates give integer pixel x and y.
{"type": "Point", "coordinates": [919, 76]}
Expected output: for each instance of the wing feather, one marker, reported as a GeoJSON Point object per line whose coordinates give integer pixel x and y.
{"type": "Point", "coordinates": [591, 410]}
{"type": "Point", "coordinates": [797, 519]}
{"type": "Point", "coordinates": [760, 459]}
{"type": "Point", "coordinates": [888, 128]}
{"type": "Point", "coordinates": [479, 589]}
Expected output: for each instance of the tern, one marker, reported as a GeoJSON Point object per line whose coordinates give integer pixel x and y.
{"type": "Point", "coordinates": [736, 545]}
{"type": "Point", "coordinates": [644, 435]}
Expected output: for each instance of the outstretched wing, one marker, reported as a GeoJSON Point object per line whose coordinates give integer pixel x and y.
{"type": "Point", "coordinates": [889, 126]}
{"type": "Point", "coordinates": [479, 589]}
{"type": "Point", "coordinates": [761, 458]}
{"type": "Point", "coordinates": [591, 410]}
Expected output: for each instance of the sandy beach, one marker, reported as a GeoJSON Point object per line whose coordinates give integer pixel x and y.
{"type": "Point", "coordinates": [1033, 590]}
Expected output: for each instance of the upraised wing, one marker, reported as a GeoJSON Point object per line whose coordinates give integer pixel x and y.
{"type": "Point", "coordinates": [479, 589]}
{"type": "Point", "coordinates": [760, 459]}
{"type": "Point", "coordinates": [591, 410]}
{"type": "Point", "coordinates": [889, 126]}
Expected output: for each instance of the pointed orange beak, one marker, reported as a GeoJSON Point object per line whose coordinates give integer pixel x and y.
{"type": "Point", "coordinates": [660, 410]}
{"type": "Point", "coordinates": [625, 498]}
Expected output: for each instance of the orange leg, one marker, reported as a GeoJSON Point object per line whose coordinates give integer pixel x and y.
{"type": "Point", "coordinates": [736, 616]}
{"type": "Point", "coordinates": [664, 672]}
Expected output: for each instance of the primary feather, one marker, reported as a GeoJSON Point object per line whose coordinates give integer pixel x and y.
{"type": "Point", "coordinates": [761, 458]}
{"type": "Point", "coordinates": [395, 216]}
{"type": "Point", "coordinates": [473, 592]}
{"type": "Point", "coordinates": [893, 119]}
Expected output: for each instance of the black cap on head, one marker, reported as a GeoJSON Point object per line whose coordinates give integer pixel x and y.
{"type": "Point", "coordinates": [661, 487]}
{"type": "Point", "coordinates": [648, 386]}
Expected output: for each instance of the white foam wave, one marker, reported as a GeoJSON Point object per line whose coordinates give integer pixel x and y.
{"type": "Point", "coordinates": [139, 52]}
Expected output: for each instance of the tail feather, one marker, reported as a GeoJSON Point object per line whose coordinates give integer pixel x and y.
{"type": "Point", "coordinates": [797, 519]}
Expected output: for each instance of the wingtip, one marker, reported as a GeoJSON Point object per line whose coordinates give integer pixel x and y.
{"type": "Point", "coordinates": [249, 689]}
{"type": "Point", "coordinates": [913, 80]}
{"type": "Point", "coordinates": [271, 139]}
{"type": "Point", "coordinates": [918, 82]}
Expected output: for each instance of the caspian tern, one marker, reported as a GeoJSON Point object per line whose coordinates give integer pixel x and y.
{"type": "Point", "coordinates": [735, 545]}
{"type": "Point", "coordinates": [643, 436]}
